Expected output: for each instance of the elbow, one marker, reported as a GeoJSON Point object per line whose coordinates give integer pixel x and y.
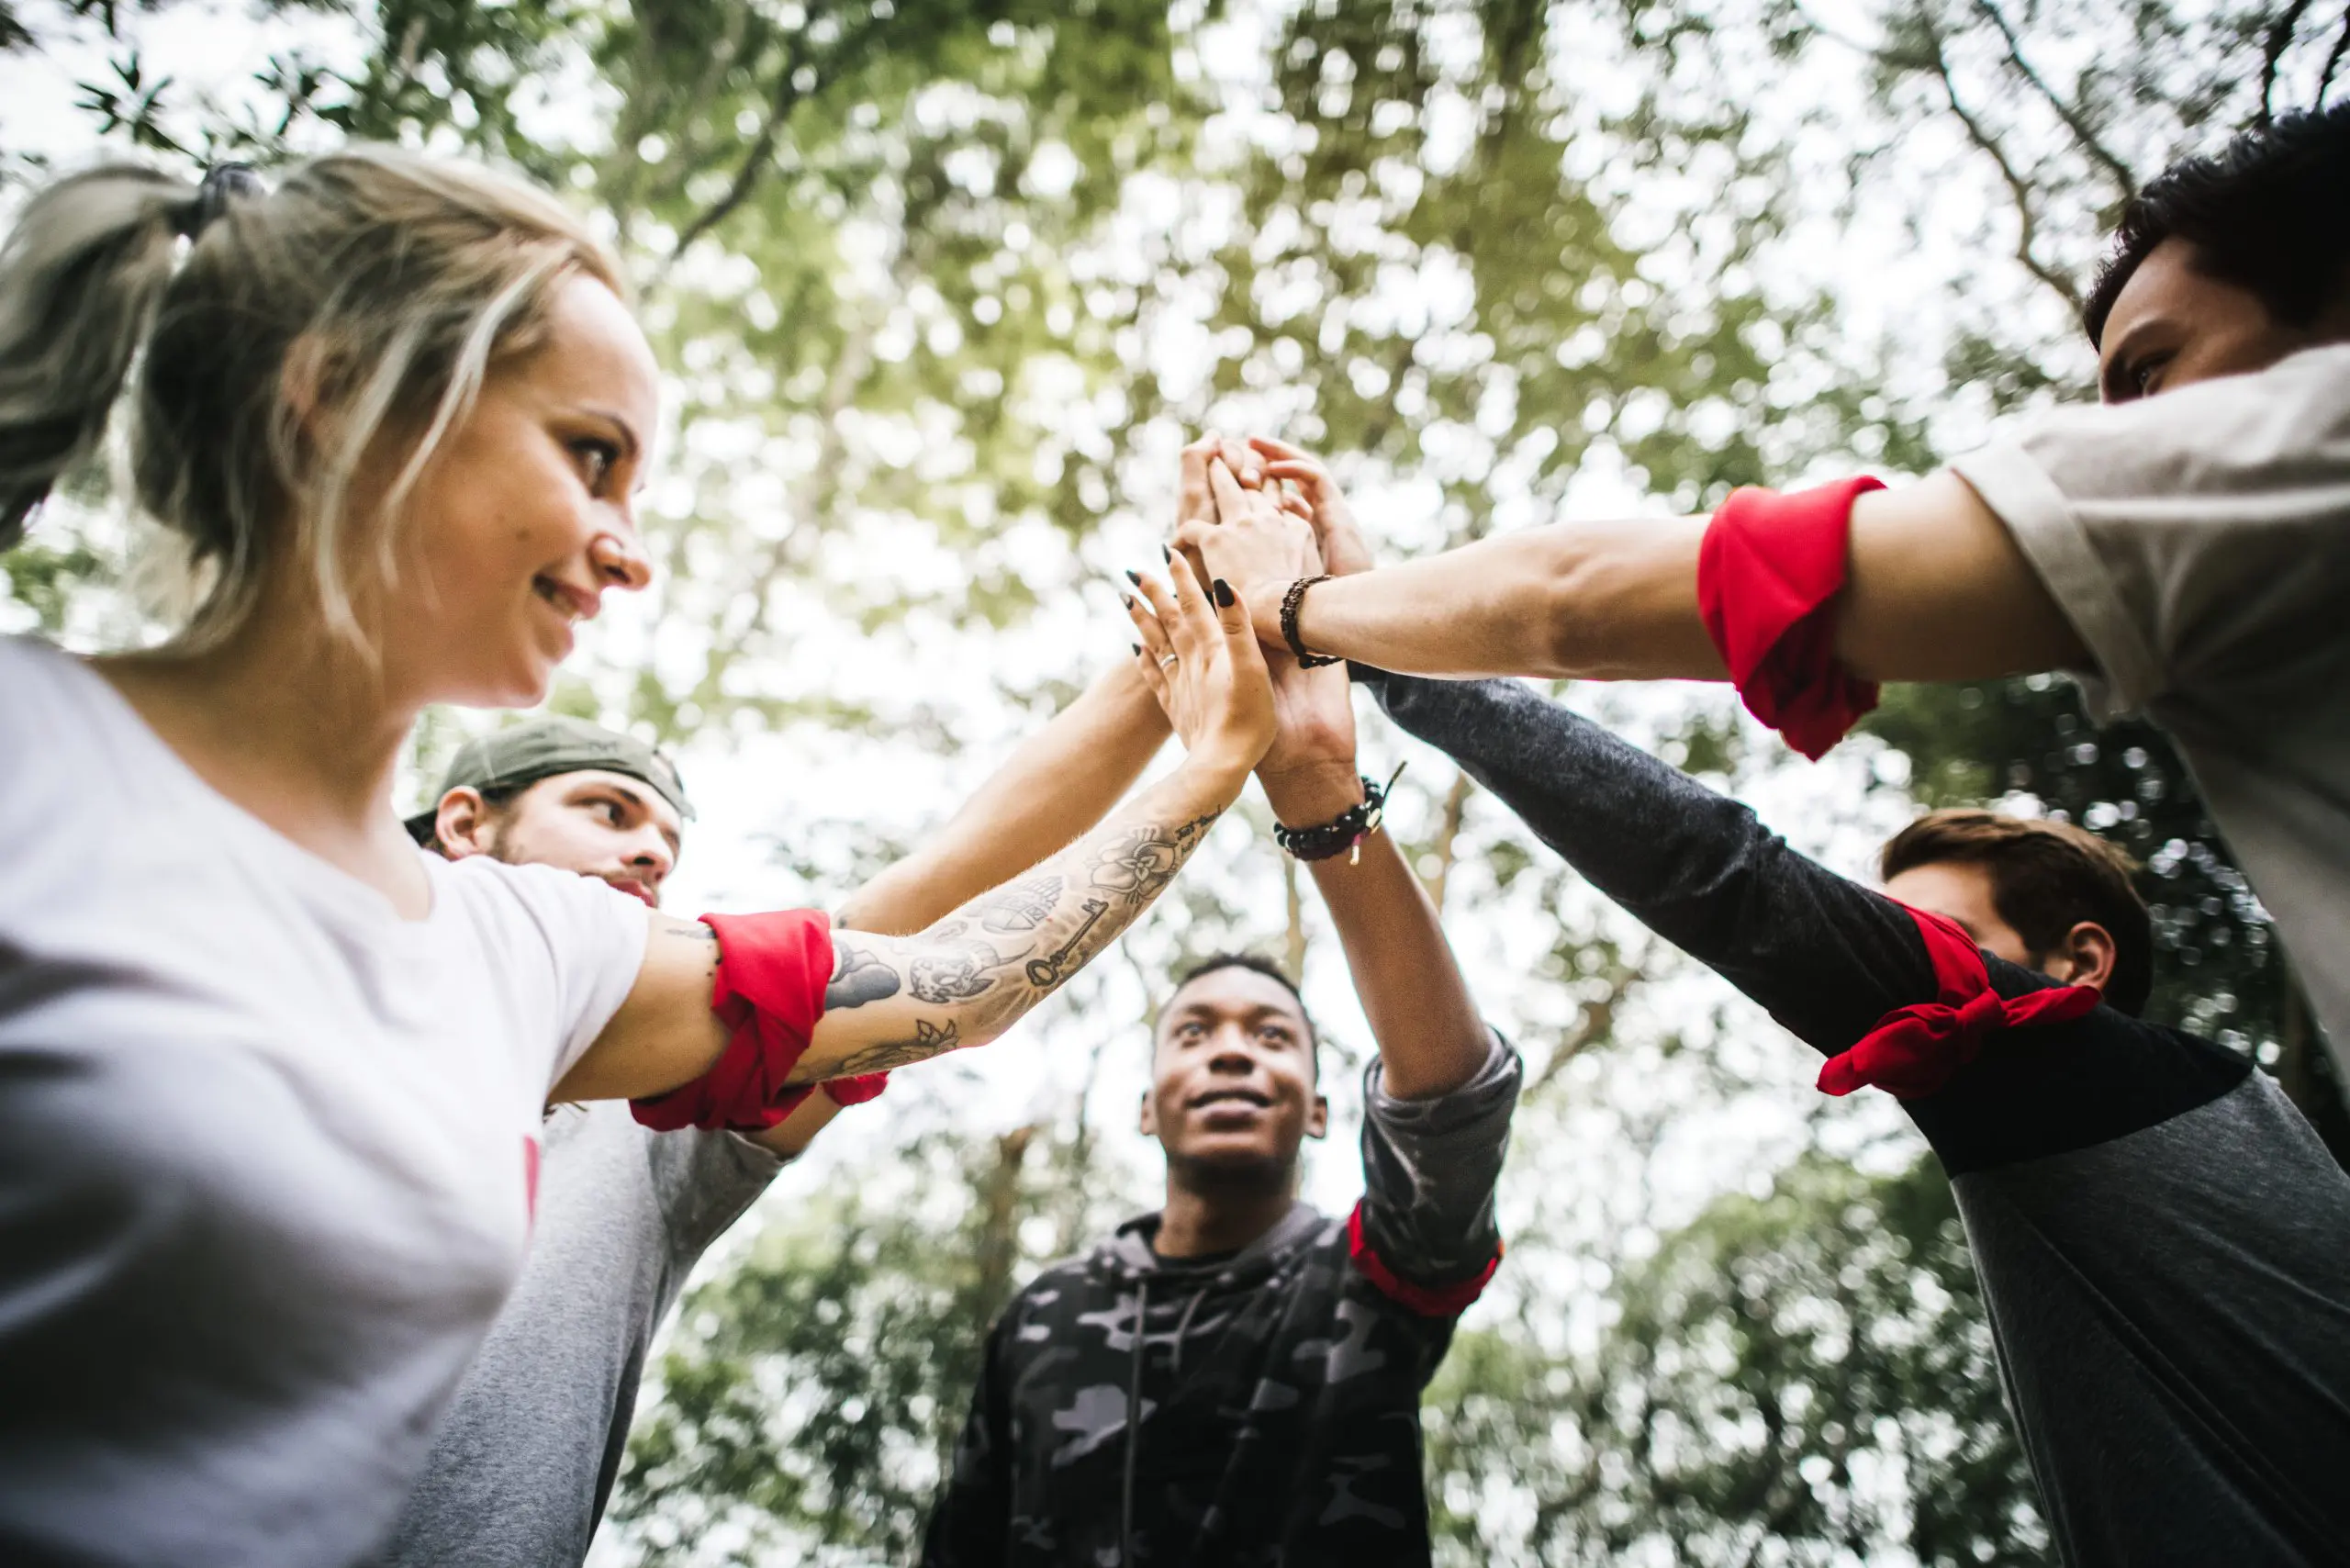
{"type": "Point", "coordinates": [1619, 601]}
{"type": "Point", "coordinates": [1563, 646]}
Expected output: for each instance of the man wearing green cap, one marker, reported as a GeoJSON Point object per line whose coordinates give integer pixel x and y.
{"type": "Point", "coordinates": [524, 1461]}
{"type": "Point", "coordinates": [564, 792]}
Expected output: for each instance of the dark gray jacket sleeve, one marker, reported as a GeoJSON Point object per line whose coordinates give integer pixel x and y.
{"type": "Point", "coordinates": [1828, 957]}
{"type": "Point", "coordinates": [1430, 1168]}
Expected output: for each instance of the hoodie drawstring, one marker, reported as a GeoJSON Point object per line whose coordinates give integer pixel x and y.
{"type": "Point", "coordinates": [1183, 1328]}
{"type": "Point", "coordinates": [1134, 1405]}
{"type": "Point", "coordinates": [1133, 1421]}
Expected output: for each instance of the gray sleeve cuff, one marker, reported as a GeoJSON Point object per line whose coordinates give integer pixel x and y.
{"type": "Point", "coordinates": [2016, 488]}
{"type": "Point", "coordinates": [1429, 1169]}
{"type": "Point", "coordinates": [704, 1181]}
{"type": "Point", "coordinates": [1494, 1086]}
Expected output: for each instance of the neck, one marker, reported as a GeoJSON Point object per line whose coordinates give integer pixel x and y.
{"type": "Point", "coordinates": [1221, 1210]}
{"type": "Point", "coordinates": [291, 724]}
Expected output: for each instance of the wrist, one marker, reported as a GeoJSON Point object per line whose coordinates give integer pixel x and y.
{"type": "Point", "coordinates": [1304, 793]}
{"type": "Point", "coordinates": [1211, 778]}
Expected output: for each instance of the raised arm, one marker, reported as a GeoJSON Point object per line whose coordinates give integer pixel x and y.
{"type": "Point", "coordinates": [1059, 783]}
{"type": "Point", "coordinates": [968, 978]}
{"type": "Point", "coordinates": [1938, 591]}
{"type": "Point", "coordinates": [1826, 955]}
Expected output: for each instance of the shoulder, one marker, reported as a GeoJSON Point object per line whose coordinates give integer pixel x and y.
{"type": "Point", "coordinates": [2273, 418]}
{"type": "Point", "coordinates": [52, 705]}
{"type": "Point", "coordinates": [2060, 1088]}
{"type": "Point", "coordinates": [507, 902]}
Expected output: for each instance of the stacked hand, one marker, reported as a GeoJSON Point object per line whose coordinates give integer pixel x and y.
{"type": "Point", "coordinates": [1237, 521]}
{"type": "Point", "coordinates": [1261, 540]}
{"type": "Point", "coordinates": [1202, 661]}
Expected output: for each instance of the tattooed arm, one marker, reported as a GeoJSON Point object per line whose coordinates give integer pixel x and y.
{"type": "Point", "coordinates": [970, 977]}
{"type": "Point", "coordinates": [1058, 784]}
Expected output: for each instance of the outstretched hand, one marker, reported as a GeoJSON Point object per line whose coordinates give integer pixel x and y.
{"type": "Point", "coordinates": [1253, 541]}
{"type": "Point", "coordinates": [1238, 516]}
{"type": "Point", "coordinates": [1324, 505]}
{"type": "Point", "coordinates": [1202, 662]}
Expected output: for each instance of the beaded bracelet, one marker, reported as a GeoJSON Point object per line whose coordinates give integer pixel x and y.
{"type": "Point", "coordinates": [1344, 834]}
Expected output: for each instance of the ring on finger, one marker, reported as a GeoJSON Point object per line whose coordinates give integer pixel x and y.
{"type": "Point", "coordinates": [1171, 661]}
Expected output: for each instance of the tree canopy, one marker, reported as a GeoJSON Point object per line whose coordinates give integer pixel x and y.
{"type": "Point", "coordinates": [940, 285]}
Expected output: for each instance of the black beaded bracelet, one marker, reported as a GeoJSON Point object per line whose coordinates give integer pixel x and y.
{"type": "Point", "coordinates": [1344, 834]}
{"type": "Point", "coordinates": [1289, 601]}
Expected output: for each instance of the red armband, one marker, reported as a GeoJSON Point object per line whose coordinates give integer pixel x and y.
{"type": "Point", "coordinates": [772, 970]}
{"type": "Point", "coordinates": [1914, 1050]}
{"type": "Point", "coordinates": [1429, 1301]}
{"type": "Point", "coordinates": [1766, 569]}
{"type": "Point", "coordinates": [856, 1091]}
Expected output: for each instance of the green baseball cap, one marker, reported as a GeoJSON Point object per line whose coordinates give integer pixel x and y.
{"type": "Point", "coordinates": [524, 753]}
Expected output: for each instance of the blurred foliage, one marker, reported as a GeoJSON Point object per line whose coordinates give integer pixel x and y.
{"type": "Point", "coordinates": [813, 1394]}
{"type": "Point", "coordinates": [939, 285]}
{"type": "Point", "coordinates": [1800, 1378]}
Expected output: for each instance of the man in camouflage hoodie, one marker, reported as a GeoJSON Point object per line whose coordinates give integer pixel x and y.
{"type": "Point", "coordinates": [1236, 1380]}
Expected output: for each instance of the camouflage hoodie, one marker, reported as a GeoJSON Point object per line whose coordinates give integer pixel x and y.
{"type": "Point", "coordinates": [1279, 1386]}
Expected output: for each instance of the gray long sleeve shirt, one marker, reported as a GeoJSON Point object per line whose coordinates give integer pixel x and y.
{"type": "Point", "coordinates": [524, 1461]}
{"type": "Point", "coordinates": [2163, 1244]}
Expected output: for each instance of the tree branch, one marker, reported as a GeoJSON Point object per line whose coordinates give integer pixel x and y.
{"type": "Point", "coordinates": [2272, 50]}
{"type": "Point", "coordinates": [1597, 1023]}
{"type": "Point", "coordinates": [2070, 113]}
{"type": "Point", "coordinates": [2027, 222]}
{"type": "Point", "coordinates": [2332, 61]}
{"type": "Point", "coordinates": [1448, 837]}
{"type": "Point", "coordinates": [785, 98]}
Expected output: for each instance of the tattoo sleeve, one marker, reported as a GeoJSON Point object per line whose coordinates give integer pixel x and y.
{"type": "Point", "coordinates": [970, 977]}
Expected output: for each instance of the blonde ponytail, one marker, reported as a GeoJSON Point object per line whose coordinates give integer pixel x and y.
{"type": "Point", "coordinates": [81, 276]}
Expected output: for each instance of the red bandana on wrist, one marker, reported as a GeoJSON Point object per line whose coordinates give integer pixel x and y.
{"type": "Point", "coordinates": [1914, 1050]}
{"type": "Point", "coordinates": [1766, 569]}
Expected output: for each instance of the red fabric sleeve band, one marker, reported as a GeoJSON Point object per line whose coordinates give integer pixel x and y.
{"type": "Point", "coordinates": [1766, 570]}
{"type": "Point", "coordinates": [772, 970]}
{"type": "Point", "coordinates": [1441, 1301]}
{"type": "Point", "coordinates": [1914, 1050]}
{"type": "Point", "coordinates": [856, 1091]}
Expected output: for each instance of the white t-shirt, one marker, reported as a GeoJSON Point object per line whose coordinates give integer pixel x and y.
{"type": "Point", "coordinates": [2199, 544]}
{"type": "Point", "coordinates": [265, 1145]}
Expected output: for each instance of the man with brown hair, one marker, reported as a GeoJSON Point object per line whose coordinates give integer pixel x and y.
{"type": "Point", "coordinates": [2034, 892]}
{"type": "Point", "coordinates": [2163, 1244]}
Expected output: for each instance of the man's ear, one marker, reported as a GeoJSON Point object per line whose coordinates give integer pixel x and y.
{"type": "Point", "coordinates": [462, 824]}
{"type": "Point", "coordinates": [1150, 1117]}
{"type": "Point", "coordinates": [1317, 1119]}
{"type": "Point", "coordinates": [2085, 957]}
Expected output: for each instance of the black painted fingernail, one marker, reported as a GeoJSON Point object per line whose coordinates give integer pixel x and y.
{"type": "Point", "coordinates": [1138, 648]}
{"type": "Point", "coordinates": [1224, 595]}
{"type": "Point", "coordinates": [1167, 554]}
{"type": "Point", "coordinates": [1133, 577]}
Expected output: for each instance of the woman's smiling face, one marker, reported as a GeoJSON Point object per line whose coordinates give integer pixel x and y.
{"type": "Point", "coordinates": [524, 516]}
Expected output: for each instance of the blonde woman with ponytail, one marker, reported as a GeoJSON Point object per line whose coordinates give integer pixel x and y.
{"type": "Point", "coordinates": [270, 1077]}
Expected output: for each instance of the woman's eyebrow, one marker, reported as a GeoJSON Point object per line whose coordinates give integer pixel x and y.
{"type": "Point", "coordinates": [631, 446]}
